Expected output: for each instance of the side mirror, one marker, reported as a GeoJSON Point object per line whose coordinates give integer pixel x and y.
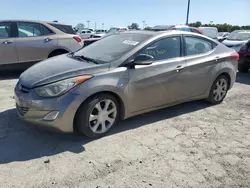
{"type": "Point", "coordinates": [143, 59]}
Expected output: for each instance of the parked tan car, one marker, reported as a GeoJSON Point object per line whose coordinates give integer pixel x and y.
{"type": "Point", "coordinates": [24, 42]}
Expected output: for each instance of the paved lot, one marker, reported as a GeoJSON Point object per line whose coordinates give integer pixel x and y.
{"type": "Point", "coordinates": [190, 145]}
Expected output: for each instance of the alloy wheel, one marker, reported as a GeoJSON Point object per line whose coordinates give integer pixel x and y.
{"type": "Point", "coordinates": [220, 89]}
{"type": "Point", "coordinates": [102, 116]}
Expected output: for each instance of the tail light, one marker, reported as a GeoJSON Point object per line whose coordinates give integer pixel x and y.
{"type": "Point", "coordinates": [235, 55]}
{"type": "Point", "coordinates": [77, 38]}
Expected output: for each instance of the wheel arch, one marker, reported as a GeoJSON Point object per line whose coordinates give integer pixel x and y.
{"type": "Point", "coordinates": [227, 75]}
{"type": "Point", "coordinates": [119, 99]}
{"type": "Point", "coordinates": [56, 51]}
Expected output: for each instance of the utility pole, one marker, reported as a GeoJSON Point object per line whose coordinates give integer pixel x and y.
{"type": "Point", "coordinates": [143, 24]}
{"type": "Point", "coordinates": [88, 23]}
{"type": "Point", "coordinates": [102, 25]}
{"type": "Point", "coordinates": [95, 26]}
{"type": "Point", "coordinates": [188, 12]}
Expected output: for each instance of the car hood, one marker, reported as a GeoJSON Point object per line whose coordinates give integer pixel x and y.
{"type": "Point", "coordinates": [231, 43]}
{"type": "Point", "coordinates": [58, 68]}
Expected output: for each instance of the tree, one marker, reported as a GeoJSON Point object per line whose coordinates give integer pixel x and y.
{"type": "Point", "coordinates": [147, 28]}
{"type": "Point", "coordinates": [221, 27]}
{"type": "Point", "coordinates": [80, 26]}
{"type": "Point", "coordinates": [134, 26]}
{"type": "Point", "coordinates": [198, 24]}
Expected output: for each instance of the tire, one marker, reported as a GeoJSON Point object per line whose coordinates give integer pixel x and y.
{"type": "Point", "coordinates": [213, 95]}
{"type": "Point", "coordinates": [82, 123]}
{"type": "Point", "coordinates": [242, 68]}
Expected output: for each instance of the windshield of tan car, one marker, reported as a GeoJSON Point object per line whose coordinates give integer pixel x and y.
{"type": "Point", "coordinates": [112, 47]}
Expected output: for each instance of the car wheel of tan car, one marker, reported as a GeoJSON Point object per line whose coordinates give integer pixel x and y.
{"type": "Point", "coordinates": [97, 115]}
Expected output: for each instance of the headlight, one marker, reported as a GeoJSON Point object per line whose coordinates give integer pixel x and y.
{"type": "Point", "coordinates": [61, 87]}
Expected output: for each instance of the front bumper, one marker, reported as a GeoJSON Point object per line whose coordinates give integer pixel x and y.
{"type": "Point", "coordinates": [32, 109]}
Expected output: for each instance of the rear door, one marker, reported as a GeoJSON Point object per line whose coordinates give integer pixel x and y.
{"type": "Point", "coordinates": [8, 54]}
{"type": "Point", "coordinates": [162, 82]}
{"type": "Point", "coordinates": [200, 63]}
{"type": "Point", "coordinates": [34, 42]}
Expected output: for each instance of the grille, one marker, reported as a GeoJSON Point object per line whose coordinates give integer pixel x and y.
{"type": "Point", "coordinates": [22, 110]}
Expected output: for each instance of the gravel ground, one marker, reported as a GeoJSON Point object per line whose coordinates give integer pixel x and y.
{"type": "Point", "coordinates": [189, 145]}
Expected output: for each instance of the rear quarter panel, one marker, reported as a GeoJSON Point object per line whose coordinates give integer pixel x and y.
{"type": "Point", "coordinates": [228, 64]}
{"type": "Point", "coordinates": [67, 42]}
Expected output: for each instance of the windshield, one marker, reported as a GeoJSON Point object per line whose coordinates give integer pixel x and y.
{"type": "Point", "coordinates": [220, 34]}
{"type": "Point", "coordinates": [112, 47]}
{"type": "Point", "coordinates": [241, 35]}
{"type": "Point", "coordinates": [113, 30]}
{"type": "Point", "coordinates": [210, 32]}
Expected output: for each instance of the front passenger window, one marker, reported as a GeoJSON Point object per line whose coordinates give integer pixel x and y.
{"type": "Point", "coordinates": [164, 49]}
{"type": "Point", "coordinates": [196, 46]}
{"type": "Point", "coordinates": [4, 30]}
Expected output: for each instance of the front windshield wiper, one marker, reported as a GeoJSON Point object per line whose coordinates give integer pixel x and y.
{"type": "Point", "coordinates": [85, 58]}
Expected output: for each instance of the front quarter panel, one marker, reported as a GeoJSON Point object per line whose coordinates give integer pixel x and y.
{"type": "Point", "coordinates": [114, 81]}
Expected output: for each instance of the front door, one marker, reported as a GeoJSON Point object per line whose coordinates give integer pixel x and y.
{"type": "Point", "coordinates": [34, 42]}
{"type": "Point", "coordinates": [8, 54]}
{"type": "Point", "coordinates": [162, 82]}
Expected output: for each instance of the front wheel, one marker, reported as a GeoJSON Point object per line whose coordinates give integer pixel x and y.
{"type": "Point", "coordinates": [97, 115]}
{"type": "Point", "coordinates": [218, 90]}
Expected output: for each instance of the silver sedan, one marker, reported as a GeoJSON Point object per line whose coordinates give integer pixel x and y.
{"type": "Point", "coordinates": [123, 75]}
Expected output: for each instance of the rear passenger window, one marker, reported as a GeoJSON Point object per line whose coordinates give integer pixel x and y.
{"type": "Point", "coordinates": [64, 28]}
{"type": "Point", "coordinates": [46, 31]}
{"type": "Point", "coordinates": [28, 29]}
{"type": "Point", "coordinates": [195, 46]}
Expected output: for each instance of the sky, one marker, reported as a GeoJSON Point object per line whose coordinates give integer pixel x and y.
{"type": "Point", "coordinates": [125, 12]}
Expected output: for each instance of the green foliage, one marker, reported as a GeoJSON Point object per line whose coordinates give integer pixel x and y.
{"type": "Point", "coordinates": [134, 26]}
{"type": "Point", "coordinates": [221, 27]}
{"type": "Point", "coordinates": [147, 28]}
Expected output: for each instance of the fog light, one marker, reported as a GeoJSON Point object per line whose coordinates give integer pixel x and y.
{"type": "Point", "coordinates": [51, 116]}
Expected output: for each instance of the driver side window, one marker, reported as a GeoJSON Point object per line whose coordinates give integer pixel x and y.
{"type": "Point", "coordinates": [164, 49]}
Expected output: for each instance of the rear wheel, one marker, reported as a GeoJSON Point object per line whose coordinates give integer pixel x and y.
{"type": "Point", "coordinates": [97, 115]}
{"type": "Point", "coordinates": [242, 68]}
{"type": "Point", "coordinates": [219, 90]}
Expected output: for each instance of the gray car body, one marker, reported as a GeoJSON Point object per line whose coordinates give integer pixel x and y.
{"type": "Point", "coordinates": [140, 89]}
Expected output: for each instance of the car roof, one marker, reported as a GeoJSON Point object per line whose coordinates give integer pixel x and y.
{"type": "Point", "coordinates": [35, 21]}
{"type": "Point", "coordinates": [155, 33]}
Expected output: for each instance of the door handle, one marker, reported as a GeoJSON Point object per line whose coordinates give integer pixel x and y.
{"type": "Point", "coordinates": [178, 68]}
{"type": "Point", "coordinates": [48, 39]}
{"type": "Point", "coordinates": [8, 42]}
{"type": "Point", "coordinates": [217, 58]}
